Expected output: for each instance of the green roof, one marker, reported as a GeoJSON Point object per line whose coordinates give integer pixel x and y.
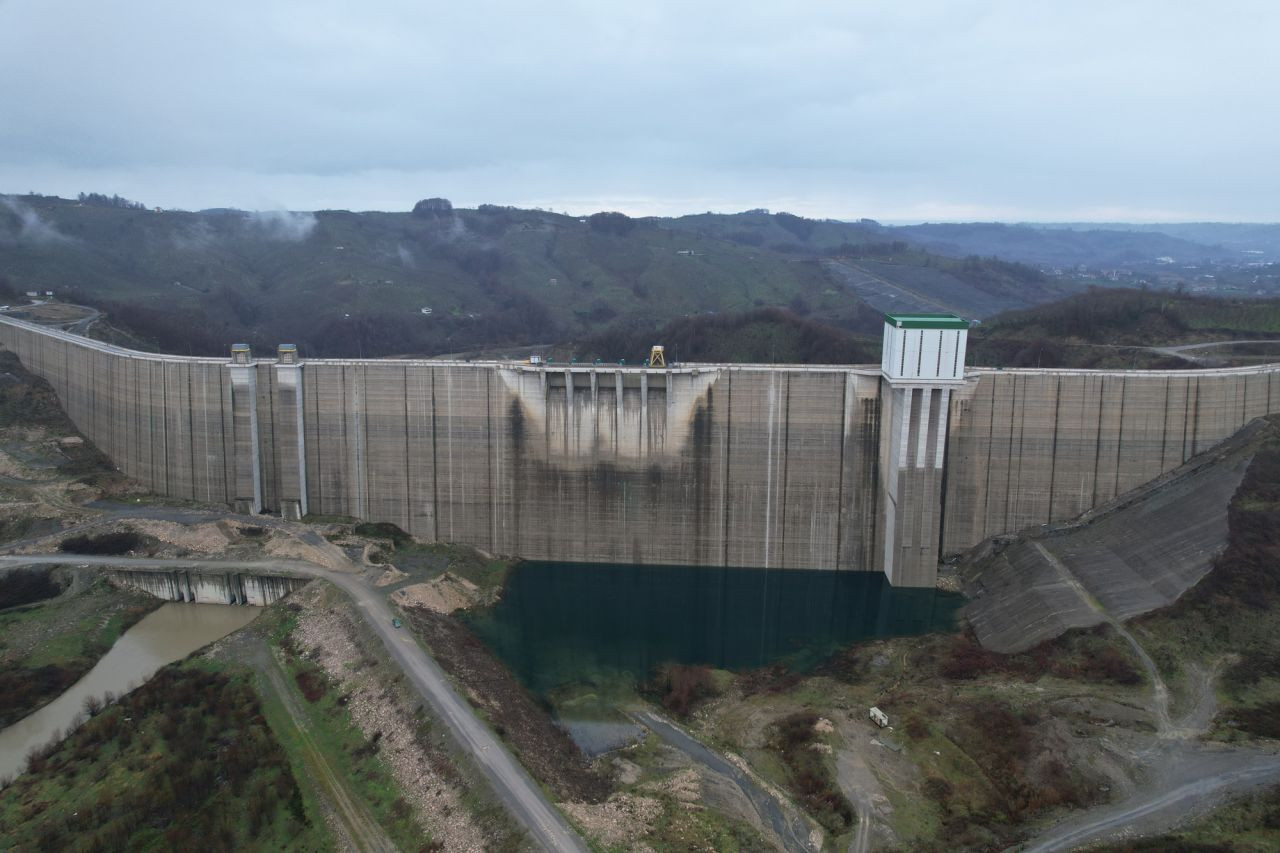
{"type": "Point", "coordinates": [926, 321]}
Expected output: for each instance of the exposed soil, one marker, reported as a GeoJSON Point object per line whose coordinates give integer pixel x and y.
{"type": "Point", "coordinates": [443, 594]}
{"type": "Point", "coordinates": [619, 821]}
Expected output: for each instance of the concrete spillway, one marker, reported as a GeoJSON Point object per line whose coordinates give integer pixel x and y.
{"type": "Point", "coordinates": [732, 465]}
{"type": "Point", "coordinates": [204, 587]}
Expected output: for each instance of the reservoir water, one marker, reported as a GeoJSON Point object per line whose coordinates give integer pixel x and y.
{"type": "Point", "coordinates": [560, 623]}
{"type": "Point", "coordinates": [163, 636]}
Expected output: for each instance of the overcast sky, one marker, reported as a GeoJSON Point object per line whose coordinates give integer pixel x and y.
{"type": "Point", "coordinates": [897, 110]}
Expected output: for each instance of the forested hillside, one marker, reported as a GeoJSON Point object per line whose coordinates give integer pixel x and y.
{"type": "Point", "coordinates": [344, 283]}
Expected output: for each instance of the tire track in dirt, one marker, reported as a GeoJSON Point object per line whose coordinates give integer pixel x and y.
{"type": "Point", "coordinates": [361, 831]}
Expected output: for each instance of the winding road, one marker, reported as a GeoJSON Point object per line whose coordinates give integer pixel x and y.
{"type": "Point", "coordinates": [787, 824]}
{"type": "Point", "coordinates": [1187, 776]}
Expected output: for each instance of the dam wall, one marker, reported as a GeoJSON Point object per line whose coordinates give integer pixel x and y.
{"type": "Point", "coordinates": [1030, 447]}
{"type": "Point", "coordinates": [812, 467]}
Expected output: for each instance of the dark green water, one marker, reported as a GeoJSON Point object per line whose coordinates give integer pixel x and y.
{"type": "Point", "coordinates": [567, 623]}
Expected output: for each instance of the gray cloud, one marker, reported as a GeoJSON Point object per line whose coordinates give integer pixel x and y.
{"type": "Point", "coordinates": [31, 228]}
{"type": "Point", "coordinates": [284, 225]}
{"type": "Point", "coordinates": [929, 109]}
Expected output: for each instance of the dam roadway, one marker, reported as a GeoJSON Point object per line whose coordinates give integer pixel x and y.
{"type": "Point", "coordinates": [511, 782]}
{"type": "Point", "coordinates": [831, 467]}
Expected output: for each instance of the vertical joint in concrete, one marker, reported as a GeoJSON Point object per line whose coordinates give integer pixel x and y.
{"type": "Point", "coordinates": [291, 433]}
{"type": "Point", "coordinates": [246, 495]}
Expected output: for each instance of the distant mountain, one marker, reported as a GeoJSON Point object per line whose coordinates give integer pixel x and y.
{"type": "Point", "coordinates": [1069, 245]}
{"type": "Point", "coordinates": [1255, 239]}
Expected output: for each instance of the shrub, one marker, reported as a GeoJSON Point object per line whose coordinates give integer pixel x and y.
{"type": "Point", "coordinates": [1263, 720]}
{"type": "Point", "coordinates": [312, 684]}
{"type": "Point", "coordinates": [111, 544]}
{"type": "Point", "coordinates": [24, 586]}
{"type": "Point", "coordinates": [915, 727]}
{"type": "Point", "coordinates": [680, 686]}
{"type": "Point", "coordinates": [809, 777]}
{"type": "Point", "coordinates": [384, 530]}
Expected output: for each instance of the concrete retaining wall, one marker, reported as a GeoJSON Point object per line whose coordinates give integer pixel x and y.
{"type": "Point", "coordinates": [208, 587]}
{"type": "Point", "coordinates": [733, 465]}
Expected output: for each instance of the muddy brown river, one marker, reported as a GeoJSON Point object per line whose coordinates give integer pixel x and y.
{"type": "Point", "coordinates": [168, 634]}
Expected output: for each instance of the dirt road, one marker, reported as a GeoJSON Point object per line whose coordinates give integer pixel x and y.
{"type": "Point", "coordinates": [1187, 777]}
{"type": "Point", "coordinates": [360, 829]}
{"type": "Point", "coordinates": [787, 824]}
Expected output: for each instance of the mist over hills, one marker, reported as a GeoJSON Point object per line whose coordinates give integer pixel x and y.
{"type": "Point", "coordinates": [443, 280]}
{"type": "Point", "coordinates": [439, 279]}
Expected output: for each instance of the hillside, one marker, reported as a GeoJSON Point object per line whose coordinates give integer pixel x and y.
{"type": "Point", "coordinates": [885, 267]}
{"type": "Point", "coordinates": [345, 283]}
{"type": "Point", "coordinates": [1067, 246]}
{"type": "Point", "coordinates": [764, 336]}
{"type": "Point", "coordinates": [1102, 329]}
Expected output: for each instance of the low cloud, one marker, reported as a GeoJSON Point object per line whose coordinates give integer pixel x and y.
{"type": "Point", "coordinates": [32, 229]}
{"type": "Point", "coordinates": [284, 225]}
{"type": "Point", "coordinates": [196, 238]}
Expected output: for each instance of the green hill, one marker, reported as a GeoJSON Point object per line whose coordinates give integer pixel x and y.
{"type": "Point", "coordinates": [344, 283]}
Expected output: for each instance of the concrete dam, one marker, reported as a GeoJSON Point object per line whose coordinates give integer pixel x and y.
{"type": "Point", "coordinates": [856, 468]}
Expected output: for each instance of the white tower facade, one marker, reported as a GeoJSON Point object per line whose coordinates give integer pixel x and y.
{"type": "Point", "coordinates": [924, 348]}
{"type": "Point", "coordinates": [922, 361]}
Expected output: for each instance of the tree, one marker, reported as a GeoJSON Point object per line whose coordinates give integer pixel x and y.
{"type": "Point", "coordinates": [611, 222]}
{"type": "Point", "coordinates": [433, 208]}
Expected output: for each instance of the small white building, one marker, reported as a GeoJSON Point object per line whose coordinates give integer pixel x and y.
{"type": "Point", "coordinates": [880, 718]}
{"type": "Point", "coordinates": [924, 348]}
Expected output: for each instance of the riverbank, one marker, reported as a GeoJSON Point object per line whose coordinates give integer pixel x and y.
{"type": "Point", "coordinates": [168, 633]}
{"type": "Point", "coordinates": [47, 646]}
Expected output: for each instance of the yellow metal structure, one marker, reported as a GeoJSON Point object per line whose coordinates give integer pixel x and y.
{"type": "Point", "coordinates": [656, 357]}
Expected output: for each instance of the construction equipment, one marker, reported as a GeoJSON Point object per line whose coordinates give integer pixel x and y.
{"type": "Point", "coordinates": [657, 357]}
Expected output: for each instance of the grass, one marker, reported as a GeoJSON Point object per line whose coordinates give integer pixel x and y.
{"type": "Point", "coordinates": [330, 729]}
{"type": "Point", "coordinates": [680, 828]}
